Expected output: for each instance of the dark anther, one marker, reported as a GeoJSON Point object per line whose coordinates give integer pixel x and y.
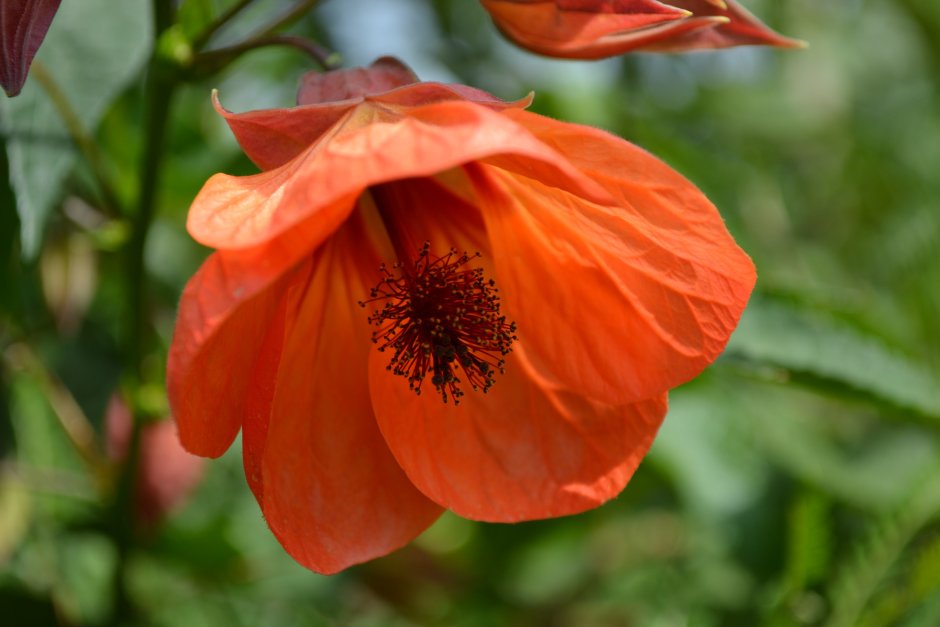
{"type": "Point", "coordinates": [440, 317]}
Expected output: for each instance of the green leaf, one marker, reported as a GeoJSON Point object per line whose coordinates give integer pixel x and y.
{"type": "Point", "coordinates": [794, 431]}
{"type": "Point", "coordinates": [925, 572]}
{"type": "Point", "coordinates": [93, 50]}
{"type": "Point", "coordinates": [857, 581]}
{"type": "Point", "coordinates": [86, 568]}
{"type": "Point", "coordinates": [925, 615]}
{"type": "Point", "coordinates": [806, 343]}
{"type": "Point", "coordinates": [809, 549]}
{"type": "Point", "coordinates": [724, 432]}
{"type": "Point", "coordinates": [703, 448]}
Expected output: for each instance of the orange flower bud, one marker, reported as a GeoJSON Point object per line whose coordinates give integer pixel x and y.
{"type": "Point", "coordinates": [593, 29]}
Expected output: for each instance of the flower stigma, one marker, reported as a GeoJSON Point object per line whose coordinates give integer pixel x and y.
{"type": "Point", "coordinates": [441, 317]}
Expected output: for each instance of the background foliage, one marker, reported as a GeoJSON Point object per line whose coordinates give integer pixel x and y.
{"type": "Point", "coordinates": [796, 482]}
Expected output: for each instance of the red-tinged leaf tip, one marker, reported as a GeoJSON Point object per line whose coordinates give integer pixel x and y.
{"type": "Point", "coordinates": [23, 26]}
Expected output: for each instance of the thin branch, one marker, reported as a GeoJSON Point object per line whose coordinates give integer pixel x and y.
{"type": "Point", "coordinates": [50, 480]}
{"type": "Point", "coordinates": [213, 59]}
{"type": "Point", "coordinates": [69, 414]}
{"type": "Point", "coordinates": [80, 135]}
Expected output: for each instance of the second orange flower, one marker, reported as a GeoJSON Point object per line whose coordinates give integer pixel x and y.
{"type": "Point", "coordinates": [593, 29]}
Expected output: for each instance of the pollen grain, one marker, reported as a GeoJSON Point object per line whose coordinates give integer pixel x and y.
{"type": "Point", "coordinates": [440, 318]}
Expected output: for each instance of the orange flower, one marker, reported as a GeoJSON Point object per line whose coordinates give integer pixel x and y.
{"type": "Point", "coordinates": [617, 281]}
{"type": "Point", "coordinates": [593, 29]}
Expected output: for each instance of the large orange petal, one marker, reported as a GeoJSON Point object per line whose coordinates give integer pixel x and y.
{"type": "Point", "coordinates": [272, 137]}
{"type": "Point", "coordinates": [224, 316]}
{"type": "Point", "coordinates": [618, 305]}
{"type": "Point", "coordinates": [330, 489]}
{"type": "Point", "coordinates": [374, 145]}
{"type": "Point", "coordinates": [523, 451]}
{"type": "Point", "coordinates": [243, 212]}
{"type": "Point", "coordinates": [645, 186]}
{"type": "Point", "coordinates": [264, 379]}
{"type": "Point", "coordinates": [223, 319]}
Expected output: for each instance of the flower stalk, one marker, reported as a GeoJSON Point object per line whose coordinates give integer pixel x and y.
{"type": "Point", "coordinates": [214, 60]}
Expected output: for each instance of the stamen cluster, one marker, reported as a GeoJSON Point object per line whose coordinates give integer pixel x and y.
{"type": "Point", "coordinates": [441, 317]}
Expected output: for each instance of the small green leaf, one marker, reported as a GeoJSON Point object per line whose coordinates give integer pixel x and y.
{"type": "Point", "coordinates": [702, 447]}
{"type": "Point", "coordinates": [810, 543]}
{"type": "Point", "coordinates": [855, 584]}
{"type": "Point", "coordinates": [93, 50]}
{"type": "Point", "coordinates": [807, 343]}
{"type": "Point", "coordinates": [925, 573]}
{"type": "Point", "coordinates": [15, 513]}
{"type": "Point", "coordinates": [873, 478]}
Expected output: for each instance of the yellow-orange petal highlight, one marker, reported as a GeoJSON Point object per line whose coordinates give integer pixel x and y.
{"type": "Point", "coordinates": [594, 29]}
{"type": "Point", "coordinates": [595, 279]}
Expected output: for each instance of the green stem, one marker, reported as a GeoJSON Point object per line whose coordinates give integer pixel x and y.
{"type": "Point", "coordinates": [214, 60]}
{"type": "Point", "coordinates": [68, 413]}
{"type": "Point", "coordinates": [80, 135]}
{"type": "Point", "coordinates": [159, 88]}
{"type": "Point", "coordinates": [159, 91]}
{"type": "Point", "coordinates": [163, 15]}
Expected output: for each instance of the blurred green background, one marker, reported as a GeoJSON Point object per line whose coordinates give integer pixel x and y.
{"type": "Point", "coordinates": [796, 482]}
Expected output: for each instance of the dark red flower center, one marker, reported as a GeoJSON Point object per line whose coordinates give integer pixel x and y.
{"type": "Point", "coordinates": [440, 317]}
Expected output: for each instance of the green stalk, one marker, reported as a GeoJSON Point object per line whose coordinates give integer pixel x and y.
{"type": "Point", "coordinates": [215, 60]}
{"type": "Point", "coordinates": [159, 88]}
{"type": "Point", "coordinates": [159, 92]}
